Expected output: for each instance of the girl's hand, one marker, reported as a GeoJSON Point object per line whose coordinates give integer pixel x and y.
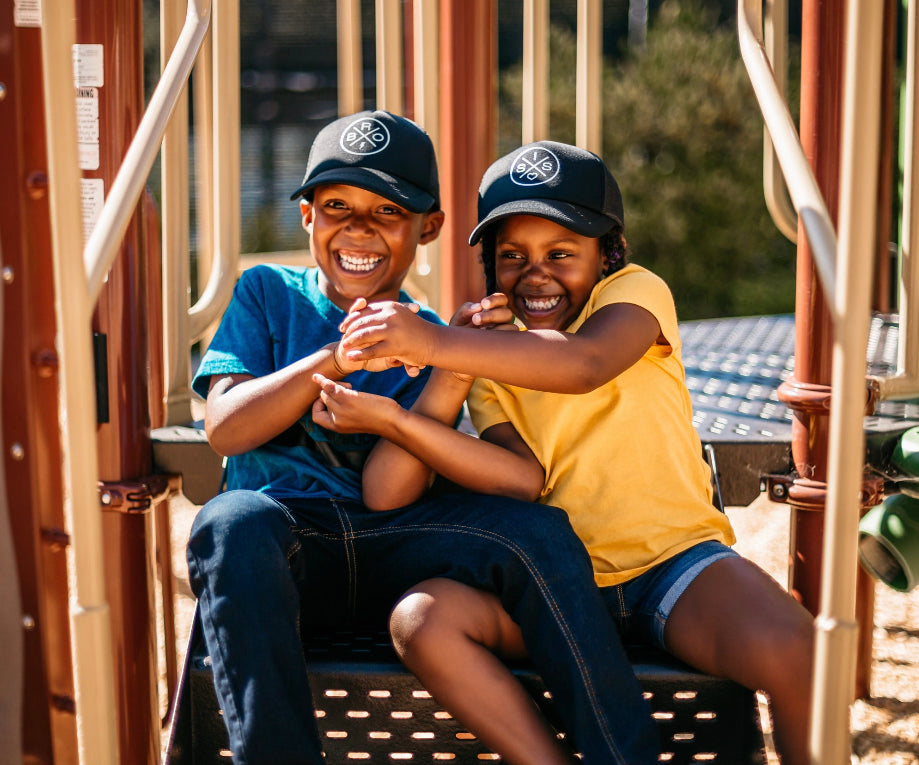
{"type": "Point", "coordinates": [343, 363]}
{"type": "Point", "coordinates": [344, 410]}
{"type": "Point", "coordinates": [490, 312]}
{"type": "Point", "coordinates": [388, 330]}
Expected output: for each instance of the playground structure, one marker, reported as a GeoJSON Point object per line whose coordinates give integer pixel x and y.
{"type": "Point", "coordinates": [96, 334]}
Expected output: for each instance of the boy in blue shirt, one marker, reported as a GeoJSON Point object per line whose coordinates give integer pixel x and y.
{"type": "Point", "coordinates": [291, 549]}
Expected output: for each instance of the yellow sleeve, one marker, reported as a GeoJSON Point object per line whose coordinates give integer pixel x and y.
{"type": "Point", "coordinates": [484, 409]}
{"type": "Point", "coordinates": [638, 286]}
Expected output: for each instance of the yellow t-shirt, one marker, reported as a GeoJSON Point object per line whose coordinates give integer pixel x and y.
{"type": "Point", "coordinates": [624, 460]}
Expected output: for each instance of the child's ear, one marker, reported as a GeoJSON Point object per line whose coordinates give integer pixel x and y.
{"type": "Point", "coordinates": [306, 213]}
{"type": "Point", "coordinates": [433, 222]}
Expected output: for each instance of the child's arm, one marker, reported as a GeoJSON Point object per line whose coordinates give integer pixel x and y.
{"type": "Point", "coordinates": [244, 412]}
{"type": "Point", "coordinates": [394, 476]}
{"type": "Point", "coordinates": [609, 342]}
{"type": "Point", "coordinates": [426, 444]}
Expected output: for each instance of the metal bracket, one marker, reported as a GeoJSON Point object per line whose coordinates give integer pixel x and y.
{"type": "Point", "coordinates": [135, 496]}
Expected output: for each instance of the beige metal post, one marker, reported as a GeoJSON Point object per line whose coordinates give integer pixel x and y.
{"type": "Point", "coordinates": [775, 25]}
{"type": "Point", "coordinates": [905, 383]}
{"type": "Point", "coordinates": [174, 211]}
{"type": "Point", "coordinates": [426, 55]}
{"type": "Point", "coordinates": [225, 192]}
{"type": "Point", "coordinates": [837, 629]}
{"type": "Point", "coordinates": [589, 107]}
{"type": "Point", "coordinates": [389, 56]}
{"type": "Point", "coordinates": [350, 59]}
{"type": "Point", "coordinates": [535, 117]}
{"type": "Point", "coordinates": [89, 611]}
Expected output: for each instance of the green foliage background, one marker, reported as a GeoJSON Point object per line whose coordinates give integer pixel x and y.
{"type": "Point", "coordinates": [683, 135]}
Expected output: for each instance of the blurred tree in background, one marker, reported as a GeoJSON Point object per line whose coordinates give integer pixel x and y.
{"type": "Point", "coordinates": [683, 135]}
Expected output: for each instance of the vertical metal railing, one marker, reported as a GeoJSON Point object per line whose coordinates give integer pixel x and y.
{"type": "Point", "coordinates": [535, 95]}
{"type": "Point", "coordinates": [217, 155]}
{"type": "Point", "coordinates": [775, 37]}
{"type": "Point", "coordinates": [350, 58]}
{"type": "Point", "coordinates": [905, 383]}
{"type": "Point", "coordinates": [589, 79]}
{"type": "Point", "coordinates": [91, 640]}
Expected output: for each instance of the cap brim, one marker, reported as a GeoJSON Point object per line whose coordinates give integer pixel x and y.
{"type": "Point", "coordinates": [395, 189]}
{"type": "Point", "coordinates": [578, 219]}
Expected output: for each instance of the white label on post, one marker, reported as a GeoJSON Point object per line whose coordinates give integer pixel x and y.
{"type": "Point", "coordinates": [92, 194]}
{"type": "Point", "coordinates": [27, 13]}
{"type": "Point", "coordinates": [88, 65]}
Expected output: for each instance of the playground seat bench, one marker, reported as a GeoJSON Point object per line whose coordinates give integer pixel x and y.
{"type": "Point", "coordinates": [369, 708]}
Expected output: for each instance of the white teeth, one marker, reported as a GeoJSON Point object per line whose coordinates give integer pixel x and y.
{"type": "Point", "coordinates": [353, 263]}
{"type": "Point", "coordinates": [541, 304]}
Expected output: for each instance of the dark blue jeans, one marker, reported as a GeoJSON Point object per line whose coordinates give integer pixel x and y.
{"type": "Point", "coordinates": [264, 572]}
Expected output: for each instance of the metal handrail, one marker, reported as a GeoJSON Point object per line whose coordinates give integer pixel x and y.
{"type": "Point", "coordinates": [103, 244]}
{"type": "Point", "coordinates": [802, 186]}
{"type": "Point", "coordinates": [225, 193]}
{"type": "Point", "coordinates": [775, 29]}
{"type": "Point", "coordinates": [849, 300]}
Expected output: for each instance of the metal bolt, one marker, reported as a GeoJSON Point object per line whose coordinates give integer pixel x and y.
{"type": "Point", "coordinates": [778, 490]}
{"type": "Point", "coordinates": [28, 622]}
{"type": "Point", "coordinates": [105, 498]}
{"type": "Point", "coordinates": [7, 275]}
{"type": "Point", "coordinates": [2, 91]}
{"type": "Point", "coordinates": [17, 452]}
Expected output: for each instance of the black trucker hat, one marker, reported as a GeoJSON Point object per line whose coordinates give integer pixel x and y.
{"type": "Point", "coordinates": [377, 151]}
{"type": "Point", "coordinates": [563, 183]}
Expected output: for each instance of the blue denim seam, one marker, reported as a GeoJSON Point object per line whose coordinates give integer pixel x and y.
{"type": "Point", "coordinates": [559, 619]}
{"type": "Point", "coordinates": [347, 538]}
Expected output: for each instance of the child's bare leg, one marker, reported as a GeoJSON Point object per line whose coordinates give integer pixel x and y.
{"type": "Point", "coordinates": [447, 634]}
{"type": "Point", "coordinates": [735, 621]}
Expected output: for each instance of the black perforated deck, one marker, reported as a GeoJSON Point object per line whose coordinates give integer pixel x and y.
{"type": "Point", "coordinates": [371, 710]}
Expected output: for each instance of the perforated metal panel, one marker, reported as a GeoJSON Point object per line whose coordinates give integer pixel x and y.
{"type": "Point", "coordinates": [369, 709]}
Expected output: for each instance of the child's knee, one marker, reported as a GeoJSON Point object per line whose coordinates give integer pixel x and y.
{"type": "Point", "coordinates": [415, 620]}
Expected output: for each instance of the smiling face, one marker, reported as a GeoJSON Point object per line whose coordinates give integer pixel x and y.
{"type": "Point", "coordinates": [546, 270]}
{"type": "Point", "coordinates": [363, 243]}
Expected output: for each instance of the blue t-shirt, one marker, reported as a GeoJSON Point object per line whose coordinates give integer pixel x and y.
{"type": "Point", "coordinates": [278, 316]}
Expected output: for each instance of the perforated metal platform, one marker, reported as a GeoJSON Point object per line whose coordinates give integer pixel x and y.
{"type": "Point", "coordinates": [370, 709]}
{"type": "Point", "coordinates": [733, 370]}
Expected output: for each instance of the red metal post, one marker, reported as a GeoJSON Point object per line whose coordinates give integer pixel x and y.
{"type": "Point", "coordinates": [468, 42]}
{"type": "Point", "coordinates": [808, 391]}
{"type": "Point", "coordinates": [31, 441]}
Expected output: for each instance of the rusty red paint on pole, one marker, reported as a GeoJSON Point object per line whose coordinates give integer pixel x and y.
{"type": "Point", "coordinates": [468, 41]}
{"type": "Point", "coordinates": [808, 391]}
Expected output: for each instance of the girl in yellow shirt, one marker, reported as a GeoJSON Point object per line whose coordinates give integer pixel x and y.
{"type": "Point", "coordinates": [586, 410]}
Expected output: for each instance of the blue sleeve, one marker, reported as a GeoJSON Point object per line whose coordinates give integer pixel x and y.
{"type": "Point", "coordinates": [242, 343]}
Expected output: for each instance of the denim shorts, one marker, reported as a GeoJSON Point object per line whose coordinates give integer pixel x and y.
{"type": "Point", "coordinates": [642, 605]}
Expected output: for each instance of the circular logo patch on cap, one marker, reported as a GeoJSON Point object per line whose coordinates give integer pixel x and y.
{"type": "Point", "coordinates": [365, 136]}
{"type": "Point", "coordinates": [534, 166]}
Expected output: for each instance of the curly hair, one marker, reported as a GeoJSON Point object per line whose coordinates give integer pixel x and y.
{"type": "Point", "coordinates": [612, 244]}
